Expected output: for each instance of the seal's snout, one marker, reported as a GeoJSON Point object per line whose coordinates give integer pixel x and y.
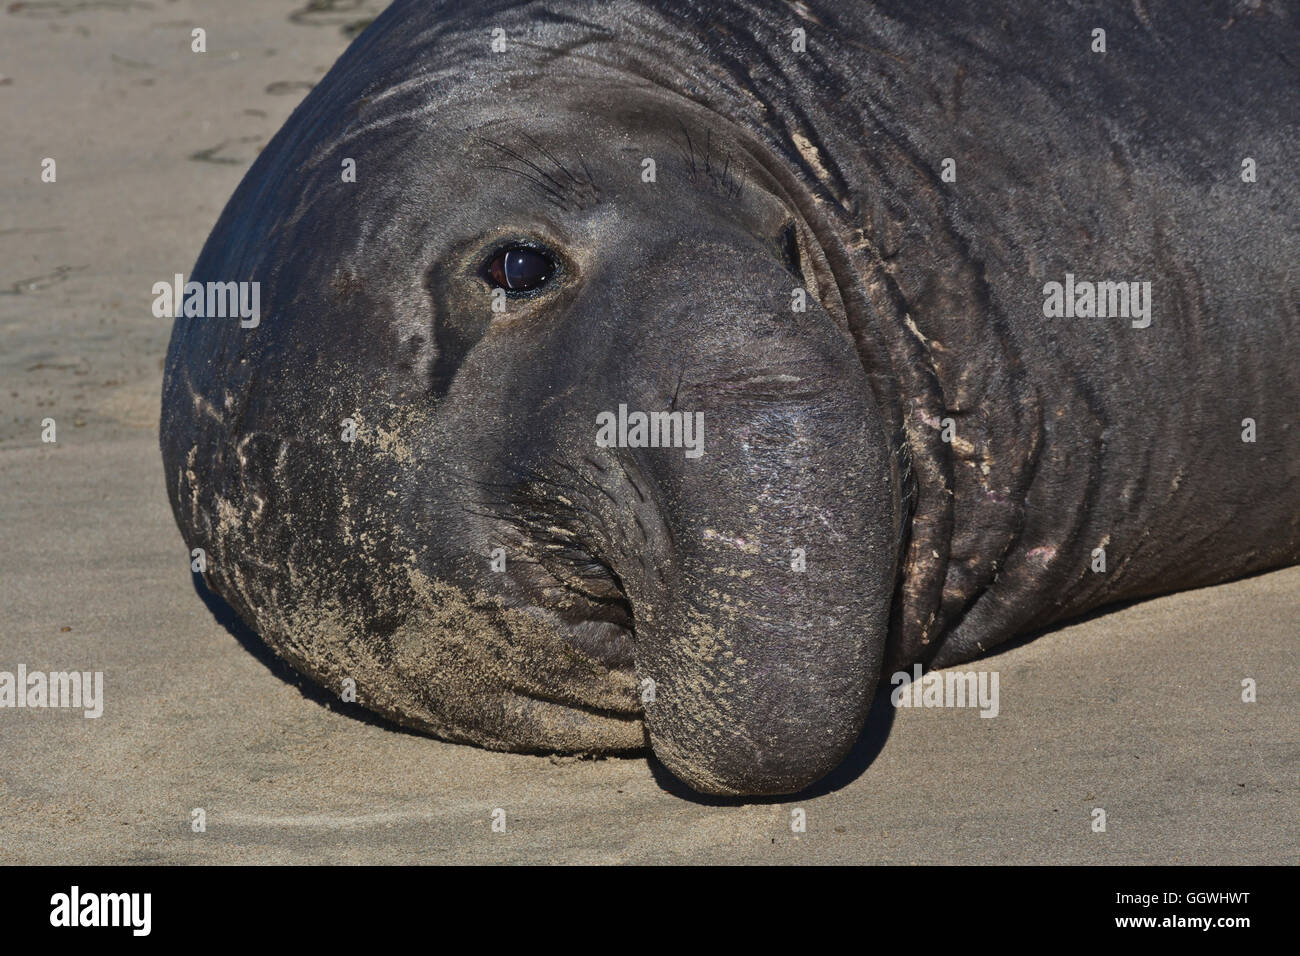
{"type": "Point", "coordinates": [762, 612]}
{"type": "Point", "coordinates": [758, 688]}
{"type": "Point", "coordinates": [795, 746]}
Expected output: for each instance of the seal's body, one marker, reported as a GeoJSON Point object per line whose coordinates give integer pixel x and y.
{"type": "Point", "coordinates": [944, 322]}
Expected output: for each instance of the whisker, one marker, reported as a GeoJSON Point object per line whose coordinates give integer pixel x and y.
{"type": "Point", "coordinates": [545, 152]}
{"type": "Point", "coordinates": [551, 192]}
{"type": "Point", "coordinates": [530, 164]}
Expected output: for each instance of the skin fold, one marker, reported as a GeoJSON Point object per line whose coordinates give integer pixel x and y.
{"type": "Point", "coordinates": [484, 570]}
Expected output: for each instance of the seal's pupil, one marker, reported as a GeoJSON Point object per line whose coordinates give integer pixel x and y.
{"type": "Point", "coordinates": [520, 269]}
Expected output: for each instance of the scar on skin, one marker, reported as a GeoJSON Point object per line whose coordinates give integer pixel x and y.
{"type": "Point", "coordinates": [741, 544]}
{"type": "Point", "coordinates": [811, 156]}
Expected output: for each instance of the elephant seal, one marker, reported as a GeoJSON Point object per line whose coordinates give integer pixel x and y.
{"type": "Point", "coordinates": [662, 371]}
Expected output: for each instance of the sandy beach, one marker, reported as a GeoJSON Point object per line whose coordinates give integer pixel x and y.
{"type": "Point", "coordinates": [1137, 711]}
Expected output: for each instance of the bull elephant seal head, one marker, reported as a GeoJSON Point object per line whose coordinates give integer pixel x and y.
{"type": "Point", "coordinates": [532, 440]}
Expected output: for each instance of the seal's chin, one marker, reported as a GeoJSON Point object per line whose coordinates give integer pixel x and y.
{"type": "Point", "coordinates": [591, 714]}
{"type": "Point", "coordinates": [557, 726]}
{"type": "Point", "coordinates": [579, 600]}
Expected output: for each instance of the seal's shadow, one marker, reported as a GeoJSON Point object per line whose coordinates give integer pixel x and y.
{"type": "Point", "coordinates": [248, 639]}
{"type": "Point", "coordinates": [868, 746]}
{"type": "Point", "coordinates": [880, 721]}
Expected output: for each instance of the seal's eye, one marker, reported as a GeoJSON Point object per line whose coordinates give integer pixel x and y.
{"type": "Point", "coordinates": [520, 268]}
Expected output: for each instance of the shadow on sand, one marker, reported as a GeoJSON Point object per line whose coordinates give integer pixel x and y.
{"type": "Point", "coordinates": [870, 742]}
{"type": "Point", "coordinates": [248, 639]}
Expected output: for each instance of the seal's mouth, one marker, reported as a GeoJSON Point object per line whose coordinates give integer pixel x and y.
{"type": "Point", "coordinates": [588, 597]}
{"type": "Point", "coordinates": [582, 594]}
{"type": "Point", "coordinates": [559, 571]}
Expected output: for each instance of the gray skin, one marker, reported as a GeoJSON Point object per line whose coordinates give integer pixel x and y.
{"type": "Point", "coordinates": [775, 170]}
